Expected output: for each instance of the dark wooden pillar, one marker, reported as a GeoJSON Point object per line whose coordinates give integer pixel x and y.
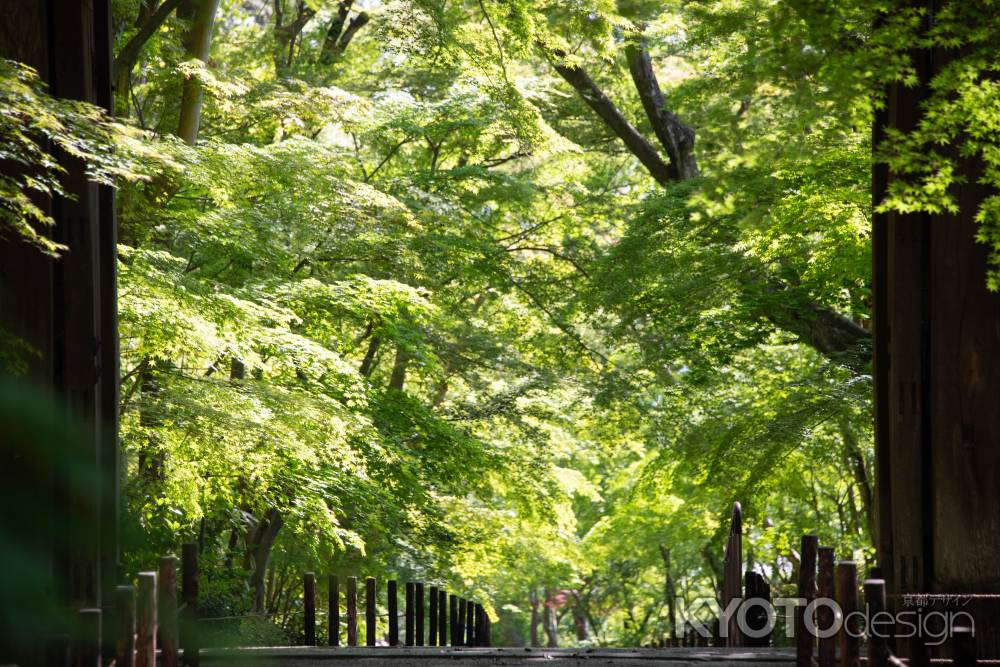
{"type": "Point", "coordinates": [937, 382]}
{"type": "Point", "coordinates": [65, 308]}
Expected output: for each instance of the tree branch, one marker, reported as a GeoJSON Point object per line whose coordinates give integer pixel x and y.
{"type": "Point", "coordinates": [336, 27]}
{"type": "Point", "coordinates": [357, 23]}
{"type": "Point", "coordinates": [554, 253]}
{"type": "Point", "coordinates": [676, 137]}
{"type": "Point", "coordinates": [602, 105]}
{"type": "Point", "coordinates": [128, 56]}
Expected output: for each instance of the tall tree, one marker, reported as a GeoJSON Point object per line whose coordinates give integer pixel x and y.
{"type": "Point", "coordinates": [197, 46]}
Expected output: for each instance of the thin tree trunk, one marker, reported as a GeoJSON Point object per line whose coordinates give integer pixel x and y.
{"type": "Point", "coordinates": [398, 377]}
{"type": "Point", "coordinates": [234, 538]}
{"type": "Point", "coordinates": [669, 590]}
{"type": "Point", "coordinates": [440, 393]}
{"type": "Point", "coordinates": [368, 363]}
{"type": "Point", "coordinates": [550, 622]}
{"type": "Point", "coordinates": [535, 618]}
{"type": "Point", "coordinates": [580, 618]}
{"type": "Point", "coordinates": [260, 553]}
{"type": "Point", "coordinates": [336, 27]}
{"type": "Point", "coordinates": [861, 477]}
{"type": "Point", "coordinates": [198, 45]}
{"type": "Point", "coordinates": [286, 34]}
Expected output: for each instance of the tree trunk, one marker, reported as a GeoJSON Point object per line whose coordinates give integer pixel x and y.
{"type": "Point", "coordinates": [198, 44]}
{"type": "Point", "coordinates": [535, 618]}
{"type": "Point", "coordinates": [368, 363]}
{"type": "Point", "coordinates": [550, 622]}
{"type": "Point", "coordinates": [398, 377]}
{"type": "Point", "coordinates": [669, 590]}
{"type": "Point", "coordinates": [857, 462]}
{"type": "Point", "coordinates": [286, 34]}
{"type": "Point", "coordinates": [260, 554]}
{"type": "Point", "coordinates": [580, 618]}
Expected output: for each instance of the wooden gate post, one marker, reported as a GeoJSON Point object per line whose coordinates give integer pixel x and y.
{"type": "Point", "coordinates": [847, 598]}
{"type": "Point", "coordinates": [470, 623]}
{"type": "Point", "coordinates": [878, 640]}
{"type": "Point", "coordinates": [453, 614]}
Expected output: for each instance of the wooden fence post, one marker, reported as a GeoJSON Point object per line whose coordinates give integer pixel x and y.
{"type": "Point", "coordinates": [470, 623]}
{"type": "Point", "coordinates": [371, 609]}
{"type": "Point", "coordinates": [461, 623]}
{"type": "Point", "coordinates": [878, 639]}
{"type": "Point", "coordinates": [804, 640]}
{"type": "Point", "coordinates": [309, 608]}
{"type": "Point", "coordinates": [442, 618]}
{"type": "Point", "coordinates": [847, 598]}
{"type": "Point", "coordinates": [963, 646]}
{"type": "Point", "coordinates": [85, 643]}
{"type": "Point", "coordinates": [825, 617]}
{"type": "Point", "coordinates": [333, 610]}
{"type": "Point", "coordinates": [480, 633]}
{"type": "Point", "coordinates": [756, 615]}
{"type": "Point", "coordinates": [393, 601]}
{"type": "Point", "coordinates": [146, 620]}
{"type": "Point", "coordinates": [732, 574]}
{"type": "Point", "coordinates": [453, 614]}
{"type": "Point", "coordinates": [125, 635]}
{"type": "Point", "coordinates": [352, 611]}
{"type": "Point", "coordinates": [167, 613]}
{"type": "Point", "coordinates": [190, 641]}
{"type": "Point", "coordinates": [418, 601]}
{"type": "Point", "coordinates": [432, 615]}
{"type": "Point", "coordinates": [408, 612]}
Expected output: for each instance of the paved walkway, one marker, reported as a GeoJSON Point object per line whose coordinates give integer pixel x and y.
{"type": "Point", "coordinates": [497, 657]}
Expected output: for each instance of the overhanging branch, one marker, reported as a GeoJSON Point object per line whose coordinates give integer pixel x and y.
{"type": "Point", "coordinates": [676, 137]}
{"type": "Point", "coordinates": [602, 105]}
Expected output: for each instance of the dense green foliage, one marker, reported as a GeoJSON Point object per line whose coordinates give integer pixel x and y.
{"type": "Point", "coordinates": [409, 307]}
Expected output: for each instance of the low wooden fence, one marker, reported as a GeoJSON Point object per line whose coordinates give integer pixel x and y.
{"type": "Point", "coordinates": [152, 621]}
{"type": "Point", "coordinates": [156, 617]}
{"type": "Point", "coordinates": [822, 575]}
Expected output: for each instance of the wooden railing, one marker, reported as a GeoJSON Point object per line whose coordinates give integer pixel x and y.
{"type": "Point", "coordinates": [820, 574]}
{"type": "Point", "coordinates": [152, 621]}
{"type": "Point", "coordinates": [155, 619]}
